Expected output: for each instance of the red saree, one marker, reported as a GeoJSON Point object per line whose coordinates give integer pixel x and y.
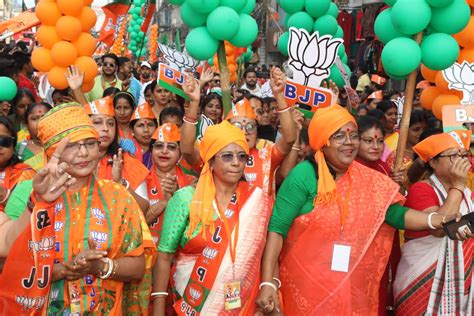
{"type": "Point", "coordinates": [309, 286]}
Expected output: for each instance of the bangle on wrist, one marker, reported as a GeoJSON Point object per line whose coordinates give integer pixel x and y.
{"type": "Point", "coordinates": [430, 224]}
{"type": "Point", "coordinates": [270, 284]}
{"type": "Point", "coordinates": [279, 111]}
{"type": "Point", "coordinates": [189, 121]}
{"type": "Point", "coordinates": [159, 295]}
{"type": "Point", "coordinates": [125, 183]}
{"type": "Point", "coordinates": [7, 194]}
{"type": "Point", "coordinates": [277, 280]}
{"type": "Point", "coordinates": [110, 268]}
{"type": "Point", "coordinates": [296, 148]}
{"type": "Point", "coordinates": [457, 189]}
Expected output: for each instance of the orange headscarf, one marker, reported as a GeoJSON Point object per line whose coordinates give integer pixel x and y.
{"type": "Point", "coordinates": [242, 108]}
{"type": "Point", "coordinates": [67, 120]}
{"type": "Point", "coordinates": [324, 124]}
{"type": "Point", "coordinates": [436, 144]}
{"type": "Point", "coordinates": [143, 111]}
{"type": "Point", "coordinates": [215, 138]}
{"type": "Point", "coordinates": [168, 132]}
{"type": "Point", "coordinates": [104, 106]}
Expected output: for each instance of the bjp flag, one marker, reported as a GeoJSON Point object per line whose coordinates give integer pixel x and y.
{"type": "Point", "coordinates": [114, 12]}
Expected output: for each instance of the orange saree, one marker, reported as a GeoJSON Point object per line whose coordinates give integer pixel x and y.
{"type": "Point", "coordinates": [12, 175]}
{"type": "Point", "coordinates": [133, 170]}
{"type": "Point", "coordinates": [309, 286]}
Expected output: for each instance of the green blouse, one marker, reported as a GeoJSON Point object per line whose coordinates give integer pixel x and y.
{"type": "Point", "coordinates": [295, 198]}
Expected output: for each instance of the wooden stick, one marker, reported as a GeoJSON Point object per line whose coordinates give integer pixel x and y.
{"type": "Point", "coordinates": [225, 79]}
{"type": "Point", "coordinates": [405, 123]}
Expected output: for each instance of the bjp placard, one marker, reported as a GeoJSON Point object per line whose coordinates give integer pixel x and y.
{"type": "Point", "coordinates": [314, 97]}
{"type": "Point", "coordinates": [455, 116]}
{"type": "Point", "coordinates": [171, 80]}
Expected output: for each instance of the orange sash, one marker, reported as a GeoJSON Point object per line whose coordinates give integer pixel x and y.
{"type": "Point", "coordinates": [133, 170]}
{"type": "Point", "coordinates": [208, 262]}
{"type": "Point", "coordinates": [13, 175]}
{"type": "Point", "coordinates": [155, 194]}
{"type": "Point", "coordinates": [309, 286]}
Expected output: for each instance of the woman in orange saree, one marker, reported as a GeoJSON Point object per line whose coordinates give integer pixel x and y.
{"type": "Point", "coordinates": [333, 245]}
{"type": "Point", "coordinates": [85, 248]}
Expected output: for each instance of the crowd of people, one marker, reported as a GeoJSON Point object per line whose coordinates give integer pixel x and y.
{"type": "Point", "coordinates": [132, 200]}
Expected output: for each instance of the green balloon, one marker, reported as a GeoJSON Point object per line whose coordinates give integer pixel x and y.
{"type": "Point", "coordinates": [176, 2]}
{"type": "Point", "coordinates": [134, 34]}
{"type": "Point", "coordinates": [136, 28]}
{"type": "Point", "coordinates": [326, 25]}
{"type": "Point", "coordinates": [344, 59]}
{"type": "Point", "coordinates": [341, 51]}
{"type": "Point", "coordinates": [192, 18]}
{"type": "Point", "coordinates": [210, 61]}
{"type": "Point", "coordinates": [394, 77]}
{"type": "Point", "coordinates": [333, 10]}
{"type": "Point", "coordinates": [248, 7]}
{"type": "Point", "coordinates": [223, 23]}
{"type": "Point", "coordinates": [301, 20]}
{"type": "Point", "coordinates": [390, 2]}
{"type": "Point", "coordinates": [317, 8]}
{"type": "Point", "coordinates": [247, 33]}
{"type": "Point", "coordinates": [452, 18]}
{"type": "Point", "coordinates": [283, 43]}
{"type": "Point", "coordinates": [339, 32]}
{"type": "Point", "coordinates": [384, 28]}
{"type": "Point", "coordinates": [9, 89]}
{"type": "Point", "coordinates": [439, 3]}
{"type": "Point", "coordinates": [401, 56]}
{"type": "Point", "coordinates": [287, 18]}
{"type": "Point", "coordinates": [200, 44]}
{"type": "Point", "coordinates": [203, 6]}
{"type": "Point", "coordinates": [336, 75]}
{"type": "Point", "coordinates": [410, 16]}
{"type": "Point", "coordinates": [237, 5]}
{"type": "Point", "coordinates": [292, 6]}
{"type": "Point", "coordinates": [439, 51]}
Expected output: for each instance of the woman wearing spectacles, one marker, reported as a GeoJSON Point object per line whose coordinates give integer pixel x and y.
{"type": "Point", "coordinates": [12, 171]}
{"type": "Point", "coordinates": [216, 232]}
{"type": "Point", "coordinates": [329, 227]}
{"type": "Point", "coordinates": [264, 156]}
{"type": "Point", "coordinates": [86, 241]}
{"type": "Point", "coordinates": [434, 275]}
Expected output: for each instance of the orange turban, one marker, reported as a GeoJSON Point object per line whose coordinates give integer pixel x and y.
{"type": "Point", "coordinates": [143, 111]}
{"type": "Point", "coordinates": [242, 108]}
{"type": "Point", "coordinates": [168, 132]}
{"type": "Point", "coordinates": [324, 124]}
{"type": "Point", "coordinates": [67, 120]}
{"type": "Point", "coordinates": [436, 144]}
{"type": "Point", "coordinates": [215, 138]}
{"type": "Point", "coordinates": [104, 106]}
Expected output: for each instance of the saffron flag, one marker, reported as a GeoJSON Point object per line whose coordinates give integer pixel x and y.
{"type": "Point", "coordinates": [114, 12]}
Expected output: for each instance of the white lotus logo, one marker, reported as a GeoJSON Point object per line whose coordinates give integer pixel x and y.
{"type": "Point", "coordinates": [178, 60]}
{"type": "Point", "coordinates": [311, 56]}
{"type": "Point", "coordinates": [461, 78]}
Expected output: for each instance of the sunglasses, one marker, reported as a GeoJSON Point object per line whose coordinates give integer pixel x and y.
{"type": "Point", "coordinates": [6, 141]}
{"type": "Point", "coordinates": [216, 81]}
{"type": "Point", "coordinates": [161, 146]}
{"type": "Point", "coordinates": [249, 128]}
{"type": "Point", "coordinates": [229, 157]}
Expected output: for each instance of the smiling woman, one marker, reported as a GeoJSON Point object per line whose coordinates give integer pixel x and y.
{"type": "Point", "coordinates": [143, 124]}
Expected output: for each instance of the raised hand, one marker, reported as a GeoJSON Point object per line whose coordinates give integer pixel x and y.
{"type": "Point", "coordinates": [191, 88]}
{"type": "Point", "coordinates": [277, 82]}
{"type": "Point", "coordinates": [117, 166]}
{"type": "Point", "coordinates": [169, 185]}
{"type": "Point", "coordinates": [458, 172]}
{"type": "Point", "coordinates": [75, 78]}
{"type": "Point", "coordinates": [332, 86]}
{"type": "Point", "coordinates": [206, 76]}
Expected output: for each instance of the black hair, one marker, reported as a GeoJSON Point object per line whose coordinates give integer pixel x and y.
{"type": "Point", "coordinates": [21, 93]}
{"type": "Point", "coordinates": [134, 122]}
{"type": "Point", "coordinates": [268, 100]}
{"type": "Point", "coordinates": [154, 66]}
{"type": "Point", "coordinates": [111, 56]}
{"type": "Point", "coordinates": [378, 114]}
{"type": "Point", "coordinates": [304, 136]}
{"type": "Point", "coordinates": [11, 129]}
{"type": "Point", "coordinates": [110, 92]}
{"type": "Point", "coordinates": [390, 94]}
{"type": "Point", "coordinates": [367, 122]}
{"type": "Point", "coordinates": [149, 87]}
{"type": "Point", "coordinates": [386, 105]}
{"type": "Point", "coordinates": [416, 116]}
{"type": "Point", "coordinates": [124, 95]}
{"type": "Point", "coordinates": [362, 68]}
{"type": "Point", "coordinates": [208, 98]}
{"type": "Point", "coordinates": [32, 106]}
{"type": "Point", "coordinates": [21, 59]}
{"type": "Point", "coordinates": [122, 60]}
{"type": "Point", "coordinates": [171, 111]}
{"type": "Point", "coordinates": [249, 70]}
{"type": "Point", "coordinates": [63, 92]}
{"type": "Point", "coordinates": [8, 68]}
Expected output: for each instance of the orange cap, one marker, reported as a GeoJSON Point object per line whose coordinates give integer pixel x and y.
{"type": "Point", "coordinates": [168, 132]}
{"type": "Point", "coordinates": [423, 84]}
{"type": "Point", "coordinates": [242, 108]}
{"type": "Point", "coordinates": [376, 95]}
{"type": "Point", "coordinates": [436, 144]}
{"type": "Point", "coordinates": [104, 106]}
{"type": "Point", "coordinates": [143, 111]}
{"type": "Point", "coordinates": [378, 79]}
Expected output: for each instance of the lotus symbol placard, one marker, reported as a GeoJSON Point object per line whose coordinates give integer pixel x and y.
{"type": "Point", "coordinates": [461, 78]}
{"type": "Point", "coordinates": [177, 60]}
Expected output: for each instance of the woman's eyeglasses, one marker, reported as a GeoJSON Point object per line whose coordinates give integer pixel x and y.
{"type": "Point", "coordinates": [341, 138]}
{"type": "Point", "coordinates": [229, 157]}
{"type": "Point", "coordinates": [75, 147]}
{"type": "Point", "coordinates": [249, 128]}
{"type": "Point", "coordinates": [6, 141]}
{"type": "Point", "coordinates": [161, 146]}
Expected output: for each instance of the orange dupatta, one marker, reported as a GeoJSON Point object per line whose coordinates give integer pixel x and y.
{"type": "Point", "coordinates": [309, 286]}
{"type": "Point", "coordinates": [133, 170]}
{"type": "Point", "coordinates": [14, 175]}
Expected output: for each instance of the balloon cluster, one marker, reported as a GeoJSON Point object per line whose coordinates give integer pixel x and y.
{"type": "Point", "coordinates": [314, 15]}
{"type": "Point", "coordinates": [435, 97]}
{"type": "Point", "coordinates": [138, 41]}
{"type": "Point", "coordinates": [212, 21]}
{"type": "Point", "coordinates": [65, 40]}
{"type": "Point", "coordinates": [438, 19]}
{"type": "Point", "coordinates": [153, 42]}
{"type": "Point", "coordinates": [234, 57]}
{"type": "Point", "coordinates": [117, 47]}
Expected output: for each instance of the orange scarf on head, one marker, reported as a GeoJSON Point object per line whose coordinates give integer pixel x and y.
{"type": "Point", "coordinates": [324, 124]}
{"type": "Point", "coordinates": [436, 144]}
{"type": "Point", "coordinates": [215, 138]}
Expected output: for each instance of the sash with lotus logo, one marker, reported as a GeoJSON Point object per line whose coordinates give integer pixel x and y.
{"type": "Point", "coordinates": [208, 263]}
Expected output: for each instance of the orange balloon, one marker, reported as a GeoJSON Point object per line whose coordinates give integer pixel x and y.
{"type": "Point", "coordinates": [233, 77]}
{"type": "Point", "coordinates": [466, 54]}
{"type": "Point", "coordinates": [89, 67]}
{"type": "Point", "coordinates": [442, 100]}
{"type": "Point", "coordinates": [69, 28]}
{"type": "Point", "coordinates": [441, 83]}
{"type": "Point", "coordinates": [42, 59]}
{"type": "Point", "coordinates": [231, 60]}
{"type": "Point", "coordinates": [465, 38]}
{"type": "Point", "coordinates": [86, 87]}
{"type": "Point", "coordinates": [232, 68]}
{"type": "Point", "coordinates": [427, 97]}
{"type": "Point", "coordinates": [47, 12]}
{"type": "Point", "coordinates": [57, 77]}
{"type": "Point", "coordinates": [70, 7]}
{"type": "Point", "coordinates": [88, 2]}
{"type": "Point", "coordinates": [47, 36]}
{"type": "Point", "coordinates": [88, 19]}
{"type": "Point", "coordinates": [85, 44]}
{"type": "Point", "coordinates": [470, 2]}
{"type": "Point", "coordinates": [64, 54]}
{"type": "Point", "coordinates": [428, 73]}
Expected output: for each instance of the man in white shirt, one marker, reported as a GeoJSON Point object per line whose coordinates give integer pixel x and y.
{"type": "Point", "coordinates": [250, 77]}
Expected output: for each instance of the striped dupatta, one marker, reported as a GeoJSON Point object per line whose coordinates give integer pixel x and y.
{"type": "Point", "coordinates": [435, 274]}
